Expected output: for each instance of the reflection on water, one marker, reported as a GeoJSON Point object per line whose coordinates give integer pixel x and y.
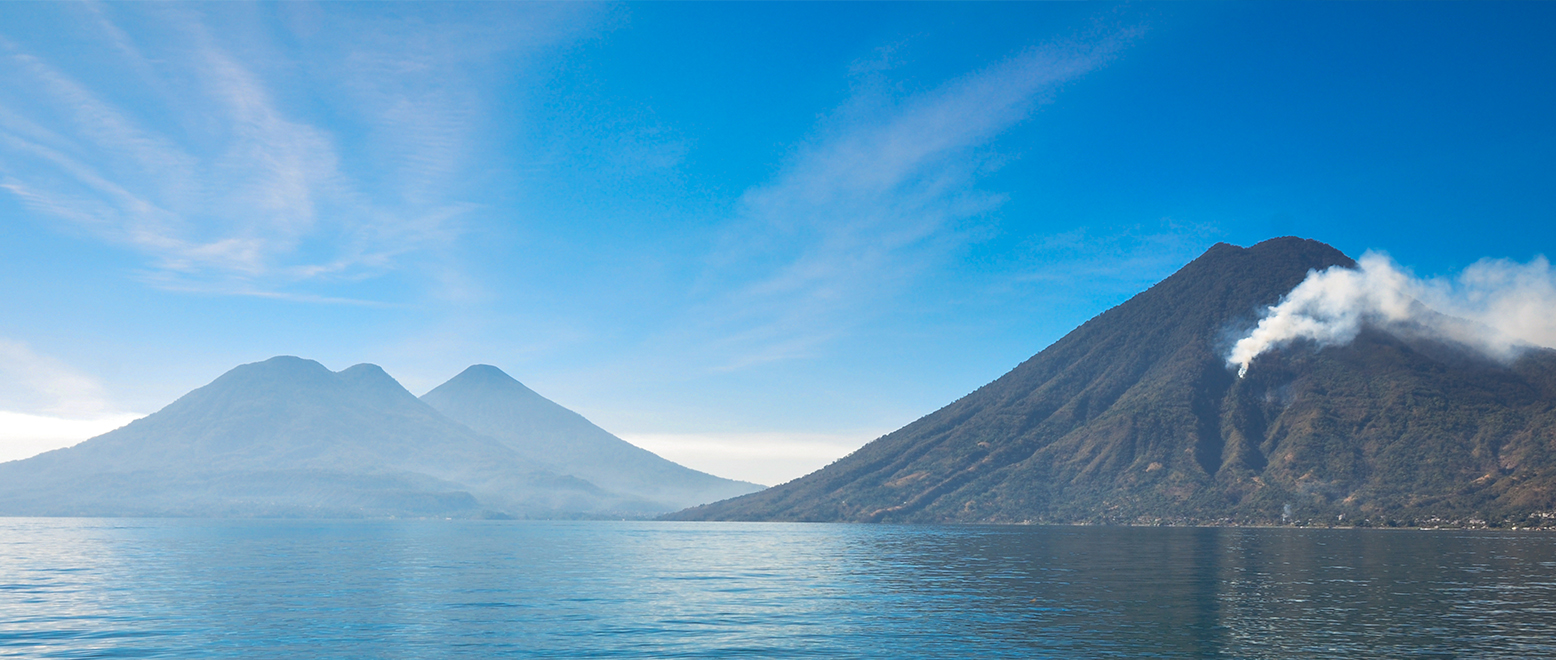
{"type": "Point", "coordinates": [425, 589]}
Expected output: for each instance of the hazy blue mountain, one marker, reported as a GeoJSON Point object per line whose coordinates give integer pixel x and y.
{"type": "Point", "coordinates": [492, 402]}
{"type": "Point", "coordinates": [288, 437]}
{"type": "Point", "coordinates": [1135, 417]}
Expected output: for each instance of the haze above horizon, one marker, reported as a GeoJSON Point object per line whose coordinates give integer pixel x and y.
{"type": "Point", "coordinates": [749, 237]}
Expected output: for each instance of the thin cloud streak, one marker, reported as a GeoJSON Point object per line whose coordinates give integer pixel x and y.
{"type": "Point", "coordinates": [35, 383]}
{"type": "Point", "coordinates": [1126, 258]}
{"type": "Point", "coordinates": [224, 181]}
{"type": "Point", "coordinates": [886, 190]}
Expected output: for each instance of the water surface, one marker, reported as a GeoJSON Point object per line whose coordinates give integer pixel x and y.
{"type": "Point", "coordinates": [83, 588]}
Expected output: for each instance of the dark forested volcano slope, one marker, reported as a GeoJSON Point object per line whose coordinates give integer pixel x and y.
{"type": "Point", "coordinates": [1135, 417]}
{"type": "Point", "coordinates": [288, 437]}
{"type": "Point", "coordinates": [490, 401]}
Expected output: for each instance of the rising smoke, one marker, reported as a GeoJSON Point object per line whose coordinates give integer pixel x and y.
{"type": "Point", "coordinates": [1496, 306]}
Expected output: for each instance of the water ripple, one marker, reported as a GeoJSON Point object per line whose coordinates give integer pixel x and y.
{"type": "Point", "coordinates": [80, 588]}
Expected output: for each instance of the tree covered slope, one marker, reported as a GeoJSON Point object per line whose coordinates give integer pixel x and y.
{"type": "Point", "coordinates": [1134, 417]}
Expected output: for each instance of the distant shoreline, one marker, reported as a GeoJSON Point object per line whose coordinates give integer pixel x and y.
{"type": "Point", "coordinates": [1449, 526]}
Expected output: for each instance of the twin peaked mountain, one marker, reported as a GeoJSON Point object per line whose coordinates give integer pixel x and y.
{"type": "Point", "coordinates": [288, 437]}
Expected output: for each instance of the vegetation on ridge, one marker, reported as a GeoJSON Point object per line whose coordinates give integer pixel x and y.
{"type": "Point", "coordinates": [1134, 417]}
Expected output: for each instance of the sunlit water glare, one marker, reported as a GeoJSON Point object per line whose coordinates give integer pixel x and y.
{"type": "Point", "coordinates": [84, 588]}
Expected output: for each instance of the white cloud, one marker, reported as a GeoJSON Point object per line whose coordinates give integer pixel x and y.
{"type": "Point", "coordinates": [24, 436]}
{"type": "Point", "coordinates": [1517, 300]}
{"type": "Point", "coordinates": [46, 404]}
{"type": "Point", "coordinates": [1496, 306]}
{"type": "Point", "coordinates": [763, 458]}
{"type": "Point", "coordinates": [36, 383]}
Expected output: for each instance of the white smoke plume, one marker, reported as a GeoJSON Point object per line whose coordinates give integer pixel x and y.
{"type": "Point", "coordinates": [1496, 306]}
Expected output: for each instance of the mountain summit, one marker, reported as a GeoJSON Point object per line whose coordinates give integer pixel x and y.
{"type": "Point", "coordinates": [1135, 417]}
{"type": "Point", "coordinates": [288, 437]}
{"type": "Point", "coordinates": [490, 401]}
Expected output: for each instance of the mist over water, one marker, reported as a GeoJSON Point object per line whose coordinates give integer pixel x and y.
{"type": "Point", "coordinates": [1496, 306]}
{"type": "Point", "coordinates": [447, 589]}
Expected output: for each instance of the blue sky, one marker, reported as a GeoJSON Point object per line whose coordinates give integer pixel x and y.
{"type": "Point", "coordinates": [748, 236]}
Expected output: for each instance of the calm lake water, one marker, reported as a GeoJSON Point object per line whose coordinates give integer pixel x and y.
{"type": "Point", "coordinates": [86, 588]}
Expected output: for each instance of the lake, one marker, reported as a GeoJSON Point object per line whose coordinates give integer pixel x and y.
{"type": "Point", "coordinates": [89, 588]}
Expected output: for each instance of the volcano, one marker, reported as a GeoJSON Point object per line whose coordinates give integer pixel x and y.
{"type": "Point", "coordinates": [491, 402]}
{"type": "Point", "coordinates": [1136, 418]}
{"type": "Point", "coordinates": [289, 438]}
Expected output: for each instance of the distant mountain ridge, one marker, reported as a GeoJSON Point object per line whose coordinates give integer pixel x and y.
{"type": "Point", "coordinates": [288, 437]}
{"type": "Point", "coordinates": [1134, 417]}
{"type": "Point", "coordinates": [491, 402]}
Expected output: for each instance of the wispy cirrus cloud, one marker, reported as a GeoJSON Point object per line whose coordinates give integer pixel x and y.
{"type": "Point", "coordinates": [763, 458]}
{"type": "Point", "coordinates": [46, 404]}
{"type": "Point", "coordinates": [1124, 259]}
{"type": "Point", "coordinates": [248, 159]}
{"type": "Point", "coordinates": [32, 382]}
{"type": "Point", "coordinates": [884, 190]}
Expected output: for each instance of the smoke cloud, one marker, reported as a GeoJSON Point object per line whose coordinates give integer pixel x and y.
{"type": "Point", "coordinates": [1496, 306]}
